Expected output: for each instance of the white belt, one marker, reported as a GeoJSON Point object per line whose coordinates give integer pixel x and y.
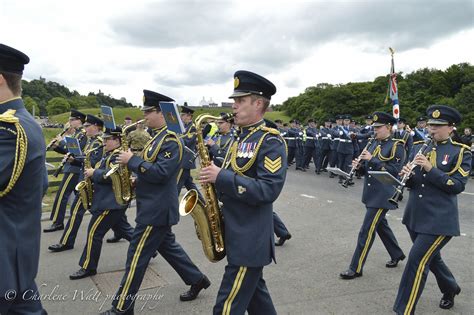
{"type": "Point", "coordinates": [290, 138]}
{"type": "Point", "coordinates": [325, 138]}
{"type": "Point", "coordinates": [344, 140]}
{"type": "Point", "coordinates": [312, 138]}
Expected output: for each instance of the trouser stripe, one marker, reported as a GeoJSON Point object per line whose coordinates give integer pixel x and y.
{"type": "Point", "coordinates": [369, 239]}
{"type": "Point", "coordinates": [91, 237]}
{"type": "Point", "coordinates": [235, 289]}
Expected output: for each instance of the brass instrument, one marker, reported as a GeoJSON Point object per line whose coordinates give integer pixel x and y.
{"type": "Point", "coordinates": [207, 216]}
{"type": "Point", "coordinates": [84, 187]}
{"type": "Point", "coordinates": [120, 175]}
{"type": "Point", "coordinates": [348, 180]}
{"type": "Point", "coordinates": [55, 140]}
{"type": "Point", "coordinates": [399, 189]}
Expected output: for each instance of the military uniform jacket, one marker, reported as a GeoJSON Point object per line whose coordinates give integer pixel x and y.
{"type": "Point", "coordinates": [248, 184]}
{"type": "Point", "coordinates": [345, 145]}
{"type": "Point", "coordinates": [62, 148]}
{"type": "Point", "coordinates": [364, 134]}
{"type": "Point", "coordinates": [189, 140]}
{"type": "Point", "coordinates": [420, 134]}
{"type": "Point", "coordinates": [103, 197]}
{"type": "Point", "coordinates": [20, 208]}
{"type": "Point", "coordinates": [432, 206]}
{"type": "Point", "coordinates": [407, 139]}
{"type": "Point", "coordinates": [293, 135]}
{"type": "Point", "coordinates": [220, 147]}
{"type": "Point", "coordinates": [94, 146]}
{"type": "Point", "coordinates": [311, 137]}
{"type": "Point", "coordinates": [387, 155]}
{"type": "Point", "coordinates": [335, 134]}
{"type": "Point", "coordinates": [325, 138]}
{"type": "Point", "coordinates": [157, 174]}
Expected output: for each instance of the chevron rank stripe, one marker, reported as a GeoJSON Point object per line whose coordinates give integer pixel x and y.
{"type": "Point", "coordinates": [272, 165]}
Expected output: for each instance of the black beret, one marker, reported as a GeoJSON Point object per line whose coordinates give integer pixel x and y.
{"type": "Point", "coordinates": [117, 132]}
{"type": "Point", "coordinates": [151, 100]}
{"type": "Point", "coordinates": [77, 114]}
{"type": "Point", "coordinates": [421, 118]}
{"type": "Point", "coordinates": [369, 117]}
{"type": "Point", "coordinates": [347, 116]}
{"type": "Point", "coordinates": [311, 120]}
{"type": "Point", "coordinates": [12, 60]}
{"type": "Point", "coordinates": [339, 117]}
{"type": "Point", "coordinates": [93, 120]}
{"type": "Point", "coordinates": [247, 83]}
{"type": "Point", "coordinates": [402, 120]}
{"type": "Point", "coordinates": [381, 118]}
{"type": "Point", "coordinates": [443, 115]}
{"type": "Point", "coordinates": [187, 110]}
{"type": "Point", "coordinates": [279, 121]}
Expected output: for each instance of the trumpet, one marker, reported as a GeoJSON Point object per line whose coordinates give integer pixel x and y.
{"type": "Point", "coordinates": [348, 180]}
{"type": "Point", "coordinates": [55, 140]}
{"type": "Point", "coordinates": [399, 189]}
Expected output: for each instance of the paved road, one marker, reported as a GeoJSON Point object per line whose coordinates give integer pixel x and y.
{"type": "Point", "coordinates": [324, 219]}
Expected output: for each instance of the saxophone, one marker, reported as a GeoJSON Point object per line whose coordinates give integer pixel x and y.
{"type": "Point", "coordinates": [120, 175]}
{"type": "Point", "coordinates": [84, 187]}
{"type": "Point", "coordinates": [207, 216]}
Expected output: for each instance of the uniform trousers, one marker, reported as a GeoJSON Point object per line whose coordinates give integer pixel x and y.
{"type": "Point", "coordinates": [100, 223]}
{"type": "Point", "coordinates": [291, 154]}
{"type": "Point", "coordinates": [311, 153]}
{"type": "Point", "coordinates": [425, 253]}
{"type": "Point", "coordinates": [279, 227]}
{"type": "Point", "coordinates": [66, 187]}
{"type": "Point", "coordinates": [243, 289]}
{"type": "Point", "coordinates": [374, 221]}
{"type": "Point", "coordinates": [323, 159]}
{"type": "Point", "coordinates": [344, 162]}
{"type": "Point", "coordinates": [145, 241]}
{"type": "Point", "coordinates": [299, 155]}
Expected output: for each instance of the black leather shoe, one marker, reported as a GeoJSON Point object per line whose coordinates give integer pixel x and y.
{"type": "Point", "coordinates": [113, 311]}
{"type": "Point", "coordinates": [394, 262]}
{"type": "Point", "coordinates": [82, 273]}
{"type": "Point", "coordinates": [190, 295]}
{"type": "Point", "coordinates": [447, 301]}
{"type": "Point", "coordinates": [300, 169]}
{"type": "Point", "coordinates": [54, 227]}
{"type": "Point", "coordinates": [60, 248]}
{"type": "Point", "coordinates": [349, 274]}
{"type": "Point", "coordinates": [114, 239]}
{"type": "Point", "coordinates": [283, 239]}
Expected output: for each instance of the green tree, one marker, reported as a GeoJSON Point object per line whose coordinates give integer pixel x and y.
{"type": "Point", "coordinates": [57, 105]}
{"type": "Point", "coordinates": [30, 103]}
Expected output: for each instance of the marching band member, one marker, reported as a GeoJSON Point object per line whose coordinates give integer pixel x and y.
{"type": "Point", "coordinates": [431, 215]}
{"type": "Point", "coordinates": [384, 154]}
{"type": "Point", "coordinates": [250, 180]}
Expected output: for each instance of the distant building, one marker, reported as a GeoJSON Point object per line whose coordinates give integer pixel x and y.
{"type": "Point", "coordinates": [227, 104]}
{"type": "Point", "coordinates": [203, 102]}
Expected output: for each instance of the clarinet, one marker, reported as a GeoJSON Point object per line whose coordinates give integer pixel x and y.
{"type": "Point", "coordinates": [399, 189]}
{"type": "Point", "coordinates": [61, 166]}
{"type": "Point", "coordinates": [345, 184]}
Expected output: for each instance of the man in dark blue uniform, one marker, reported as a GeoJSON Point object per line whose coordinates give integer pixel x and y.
{"type": "Point", "coordinates": [189, 141]}
{"type": "Point", "coordinates": [404, 135]}
{"type": "Point", "coordinates": [345, 148]}
{"type": "Point", "coordinates": [363, 135]}
{"type": "Point", "coordinates": [325, 145]}
{"type": "Point", "coordinates": [291, 136]}
{"type": "Point", "coordinates": [311, 145]}
{"type": "Point", "coordinates": [248, 185]}
{"type": "Point", "coordinates": [70, 172]}
{"type": "Point", "coordinates": [335, 135]}
{"type": "Point", "coordinates": [157, 210]}
{"type": "Point", "coordinates": [431, 215]}
{"type": "Point", "coordinates": [106, 211]}
{"type": "Point", "coordinates": [385, 154]}
{"type": "Point", "coordinates": [420, 132]}
{"type": "Point", "coordinates": [93, 152]}
{"type": "Point", "coordinates": [23, 182]}
{"type": "Point", "coordinates": [219, 147]}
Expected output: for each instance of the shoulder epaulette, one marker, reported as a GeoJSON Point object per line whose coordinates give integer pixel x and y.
{"type": "Point", "coordinates": [465, 146]}
{"type": "Point", "coordinates": [418, 142]}
{"type": "Point", "coordinates": [273, 131]}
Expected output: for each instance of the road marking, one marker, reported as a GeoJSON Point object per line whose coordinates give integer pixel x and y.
{"type": "Point", "coordinates": [463, 234]}
{"type": "Point", "coordinates": [308, 196]}
{"type": "Point", "coordinates": [467, 193]}
{"type": "Point", "coordinates": [330, 201]}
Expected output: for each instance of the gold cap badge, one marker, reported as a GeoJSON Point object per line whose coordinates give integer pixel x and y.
{"type": "Point", "coordinates": [236, 82]}
{"type": "Point", "coordinates": [436, 114]}
{"type": "Point", "coordinates": [376, 117]}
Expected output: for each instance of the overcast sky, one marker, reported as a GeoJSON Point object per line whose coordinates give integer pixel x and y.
{"type": "Point", "coordinates": [190, 49]}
